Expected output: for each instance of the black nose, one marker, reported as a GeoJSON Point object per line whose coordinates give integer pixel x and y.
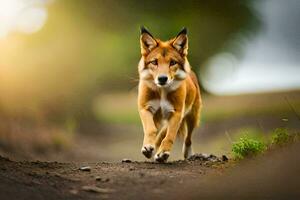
{"type": "Point", "coordinates": [162, 79]}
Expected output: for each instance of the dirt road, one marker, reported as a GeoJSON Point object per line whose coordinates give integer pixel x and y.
{"type": "Point", "coordinates": [135, 180]}
{"type": "Point", "coordinates": [274, 175]}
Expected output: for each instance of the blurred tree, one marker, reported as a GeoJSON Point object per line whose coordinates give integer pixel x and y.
{"type": "Point", "coordinates": [91, 46]}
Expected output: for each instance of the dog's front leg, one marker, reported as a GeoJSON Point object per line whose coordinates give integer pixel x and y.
{"type": "Point", "coordinates": [164, 150]}
{"type": "Point", "coordinates": [150, 132]}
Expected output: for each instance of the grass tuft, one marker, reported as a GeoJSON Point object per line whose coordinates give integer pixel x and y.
{"type": "Point", "coordinates": [253, 144]}
{"type": "Point", "coordinates": [281, 137]}
{"type": "Point", "coordinates": [247, 146]}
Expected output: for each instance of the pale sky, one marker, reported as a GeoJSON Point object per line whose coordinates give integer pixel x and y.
{"type": "Point", "coordinates": [271, 60]}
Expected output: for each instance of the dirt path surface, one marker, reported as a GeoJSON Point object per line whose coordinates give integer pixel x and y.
{"type": "Point", "coordinates": [274, 175]}
{"type": "Point", "coordinates": [135, 180]}
{"type": "Point", "coordinates": [271, 176]}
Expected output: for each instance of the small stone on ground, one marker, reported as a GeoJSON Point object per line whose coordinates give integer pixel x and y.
{"type": "Point", "coordinates": [85, 168]}
{"type": "Point", "coordinates": [207, 157]}
{"type": "Point", "coordinates": [92, 188]}
{"type": "Point", "coordinates": [126, 160]}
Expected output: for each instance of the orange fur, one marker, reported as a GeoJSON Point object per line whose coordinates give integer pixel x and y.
{"type": "Point", "coordinates": [172, 108]}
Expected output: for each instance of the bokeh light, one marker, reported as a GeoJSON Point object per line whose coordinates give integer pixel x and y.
{"type": "Point", "coordinates": [270, 61]}
{"type": "Point", "coordinates": [27, 16]}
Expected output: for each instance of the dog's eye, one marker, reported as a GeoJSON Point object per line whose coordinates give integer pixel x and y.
{"type": "Point", "coordinates": [173, 62]}
{"type": "Point", "coordinates": [154, 62]}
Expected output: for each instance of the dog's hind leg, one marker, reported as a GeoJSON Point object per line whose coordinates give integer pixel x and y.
{"type": "Point", "coordinates": [192, 120]}
{"type": "Point", "coordinates": [187, 144]}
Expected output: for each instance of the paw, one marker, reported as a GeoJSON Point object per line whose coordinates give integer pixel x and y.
{"type": "Point", "coordinates": [187, 151]}
{"type": "Point", "coordinates": [162, 156]}
{"type": "Point", "coordinates": [147, 150]}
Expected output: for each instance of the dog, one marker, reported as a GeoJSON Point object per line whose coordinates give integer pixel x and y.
{"type": "Point", "coordinates": [169, 100]}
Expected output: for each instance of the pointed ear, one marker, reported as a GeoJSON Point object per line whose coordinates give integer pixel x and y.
{"type": "Point", "coordinates": [147, 41]}
{"type": "Point", "coordinates": [181, 42]}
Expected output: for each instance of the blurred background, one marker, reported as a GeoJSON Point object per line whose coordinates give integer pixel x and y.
{"type": "Point", "coordinates": [68, 73]}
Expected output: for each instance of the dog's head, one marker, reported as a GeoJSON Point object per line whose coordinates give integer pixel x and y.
{"type": "Point", "coordinates": [163, 62]}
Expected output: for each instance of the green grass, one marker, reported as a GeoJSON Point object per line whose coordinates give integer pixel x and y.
{"type": "Point", "coordinates": [281, 137]}
{"type": "Point", "coordinates": [247, 146]}
{"type": "Point", "coordinates": [252, 144]}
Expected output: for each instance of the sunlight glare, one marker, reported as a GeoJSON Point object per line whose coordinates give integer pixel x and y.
{"type": "Point", "coordinates": [27, 16]}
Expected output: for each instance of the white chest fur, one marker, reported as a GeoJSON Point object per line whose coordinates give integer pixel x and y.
{"type": "Point", "coordinates": [161, 104]}
{"type": "Point", "coordinates": [166, 108]}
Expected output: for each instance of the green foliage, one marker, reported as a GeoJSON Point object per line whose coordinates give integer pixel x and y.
{"type": "Point", "coordinates": [252, 144]}
{"type": "Point", "coordinates": [247, 146]}
{"type": "Point", "coordinates": [281, 137]}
